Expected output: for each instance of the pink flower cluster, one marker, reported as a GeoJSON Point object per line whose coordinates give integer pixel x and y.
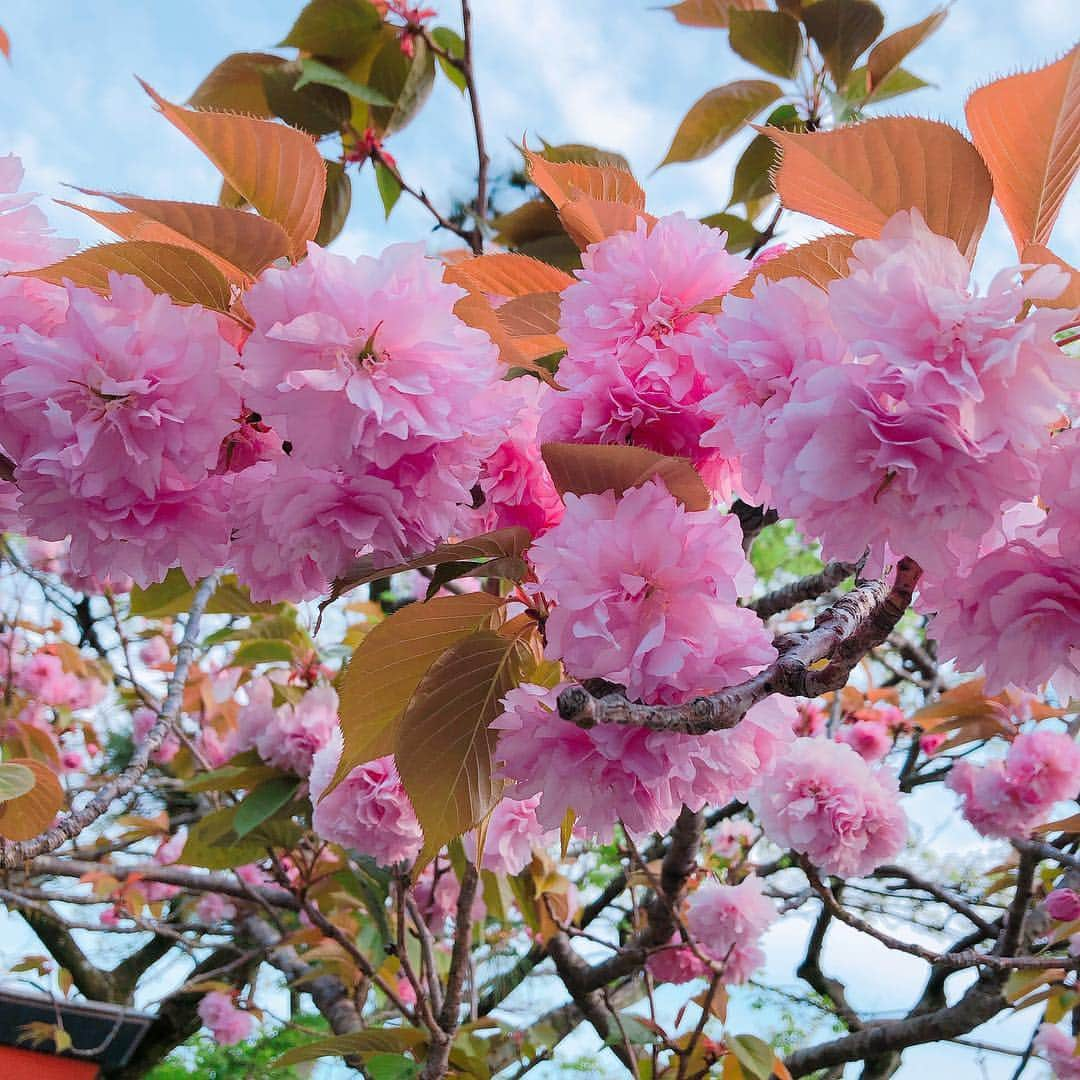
{"type": "Point", "coordinates": [228, 1024]}
{"type": "Point", "coordinates": [727, 922]}
{"type": "Point", "coordinates": [386, 405]}
{"type": "Point", "coordinates": [1009, 797]}
{"type": "Point", "coordinates": [612, 773]}
{"type": "Point", "coordinates": [287, 736]}
{"type": "Point", "coordinates": [369, 811]}
{"type": "Point", "coordinates": [823, 800]}
{"type": "Point", "coordinates": [631, 371]}
{"type": "Point", "coordinates": [915, 413]}
{"type": "Point", "coordinates": [1059, 1050]}
{"type": "Point", "coordinates": [513, 832]}
{"type": "Point", "coordinates": [645, 594]}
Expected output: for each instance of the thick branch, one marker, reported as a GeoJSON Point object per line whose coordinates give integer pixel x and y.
{"type": "Point", "coordinates": [74, 822]}
{"type": "Point", "coordinates": [91, 981]}
{"type": "Point", "coordinates": [842, 634]}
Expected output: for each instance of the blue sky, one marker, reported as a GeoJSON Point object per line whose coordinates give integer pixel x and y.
{"type": "Point", "coordinates": [617, 73]}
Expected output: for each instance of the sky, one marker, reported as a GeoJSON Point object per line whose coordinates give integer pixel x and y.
{"type": "Point", "coordinates": [615, 73]}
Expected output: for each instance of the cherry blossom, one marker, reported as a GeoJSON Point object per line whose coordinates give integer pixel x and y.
{"type": "Point", "coordinates": [228, 1024]}
{"type": "Point", "coordinates": [727, 922]}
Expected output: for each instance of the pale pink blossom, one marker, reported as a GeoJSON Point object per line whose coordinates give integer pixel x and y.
{"type": "Point", "coordinates": [369, 811]}
{"type": "Point", "coordinates": [142, 720]}
{"type": "Point", "coordinates": [1009, 797]}
{"type": "Point", "coordinates": [1059, 1050]}
{"type": "Point", "coordinates": [823, 800]}
{"type": "Point", "coordinates": [810, 719]}
{"type": "Point", "coordinates": [630, 325]}
{"type": "Point", "coordinates": [675, 963]}
{"type": "Point", "coordinates": [732, 837]}
{"type": "Point", "coordinates": [727, 922]}
{"type": "Point", "coordinates": [213, 908]}
{"type": "Point", "coordinates": [43, 678]}
{"type": "Point", "coordinates": [228, 1024]}
{"type": "Point", "coordinates": [512, 833]}
{"type": "Point", "coordinates": [645, 595]}
{"type": "Point", "coordinates": [612, 772]}
{"type": "Point", "coordinates": [288, 736]}
{"type": "Point", "coordinates": [172, 847]}
{"type": "Point", "coordinates": [155, 651]}
{"type": "Point", "coordinates": [1060, 486]}
{"type": "Point", "coordinates": [437, 892]}
{"type": "Point", "coordinates": [1063, 905]}
{"type": "Point", "coordinates": [1017, 614]}
{"type": "Point", "coordinates": [869, 738]}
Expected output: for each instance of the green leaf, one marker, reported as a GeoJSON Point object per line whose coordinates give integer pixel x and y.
{"type": "Point", "coordinates": [444, 750]}
{"type": "Point", "coordinates": [174, 595]}
{"type": "Point", "coordinates": [900, 81]}
{"type": "Point", "coordinates": [231, 777]}
{"type": "Point", "coordinates": [390, 1067]}
{"type": "Point", "coordinates": [315, 71]}
{"type": "Point", "coordinates": [314, 108]}
{"type": "Point", "coordinates": [842, 30]}
{"type": "Point", "coordinates": [212, 842]}
{"type": "Point", "coordinates": [337, 202]}
{"type": "Point", "coordinates": [265, 801]}
{"type": "Point", "coordinates": [335, 28]}
{"type": "Point", "coordinates": [770, 40]}
{"type": "Point", "coordinates": [754, 1055]}
{"type": "Point", "coordinates": [388, 665]}
{"type": "Point", "coordinates": [752, 180]}
{"type": "Point", "coordinates": [389, 187]}
{"type": "Point", "coordinates": [451, 42]}
{"type": "Point", "coordinates": [406, 81]}
{"type": "Point", "coordinates": [15, 780]}
{"type": "Point", "coordinates": [718, 115]}
{"type": "Point", "coordinates": [741, 233]}
{"type": "Point", "coordinates": [373, 1040]}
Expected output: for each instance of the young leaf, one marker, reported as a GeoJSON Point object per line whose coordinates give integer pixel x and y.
{"type": "Point", "coordinates": [452, 44]}
{"type": "Point", "coordinates": [236, 85]}
{"type": "Point", "coordinates": [897, 82]}
{"type": "Point", "coordinates": [712, 13]}
{"type": "Point", "coordinates": [857, 177]}
{"type": "Point", "coordinates": [504, 274]}
{"type": "Point", "coordinates": [244, 243]}
{"type": "Point", "coordinates": [444, 747]}
{"type": "Point", "coordinates": [754, 1055]}
{"type": "Point", "coordinates": [589, 220]}
{"type": "Point", "coordinates": [15, 780]}
{"type": "Point", "coordinates": [889, 53]}
{"type": "Point", "coordinates": [389, 187]}
{"type": "Point", "coordinates": [537, 313]}
{"type": "Point", "coordinates": [263, 802]}
{"type": "Point", "coordinates": [384, 1040]}
{"type": "Point", "coordinates": [1027, 128]}
{"type": "Point", "coordinates": [818, 261]}
{"type": "Point", "coordinates": [718, 115]}
{"type": "Point", "coordinates": [583, 154]}
{"type": "Point", "coordinates": [337, 202]}
{"type": "Point", "coordinates": [389, 663]}
{"type": "Point", "coordinates": [179, 272]}
{"type": "Point", "coordinates": [5, 44]}
{"type": "Point", "coordinates": [842, 30]}
{"type": "Point", "coordinates": [315, 71]}
{"type": "Point", "coordinates": [770, 40]}
{"type": "Point", "coordinates": [23, 816]}
{"type": "Point", "coordinates": [583, 469]}
{"type": "Point", "coordinates": [275, 168]}
{"type": "Point", "coordinates": [334, 28]}
{"type": "Point", "coordinates": [563, 181]}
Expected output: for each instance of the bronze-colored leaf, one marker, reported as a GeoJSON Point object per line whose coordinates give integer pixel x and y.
{"type": "Point", "coordinates": [770, 40]}
{"type": "Point", "coordinates": [718, 115]}
{"type": "Point", "coordinates": [857, 177]}
{"type": "Point", "coordinates": [583, 469]}
{"type": "Point", "coordinates": [561, 181]}
{"type": "Point", "coordinates": [179, 272]}
{"type": "Point", "coordinates": [505, 274]}
{"type": "Point", "coordinates": [1027, 128]}
{"type": "Point", "coordinates": [275, 168]}
{"type": "Point", "coordinates": [818, 261]}
{"type": "Point", "coordinates": [890, 52]}
{"type": "Point", "coordinates": [712, 13]}
{"type": "Point", "coordinates": [389, 663]}
{"type": "Point", "coordinates": [236, 85]}
{"type": "Point", "coordinates": [537, 313]}
{"type": "Point", "coordinates": [842, 30]}
{"type": "Point", "coordinates": [589, 220]}
{"type": "Point", "coordinates": [26, 815]}
{"type": "Point", "coordinates": [445, 745]}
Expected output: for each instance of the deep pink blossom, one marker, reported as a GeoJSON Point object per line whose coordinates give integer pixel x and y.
{"type": "Point", "coordinates": [142, 720]}
{"type": "Point", "coordinates": [932, 742]}
{"type": "Point", "coordinates": [823, 800]}
{"type": "Point", "coordinates": [675, 963]}
{"type": "Point", "coordinates": [630, 325]}
{"type": "Point", "coordinates": [645, 594]}
{"type": "Point", "coordinates": [810, 719]}
{"type": "Point", "coordinates": [368, 811]}
{"type": "Point", "coordinates": [869, 738]}
{"type": "Point", "coordinates": [512, 833]}
{"type": "Point", "coordinates": [1059, 1050]}
{"type": "Point", "coordinates": [228, 1024]}
{"type": "Point", "coordinates": [727, 922]}
{"type": "Point", "coordinates": [1063, 905]}
{"type": "Point", "coordinates": [437, 892]}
